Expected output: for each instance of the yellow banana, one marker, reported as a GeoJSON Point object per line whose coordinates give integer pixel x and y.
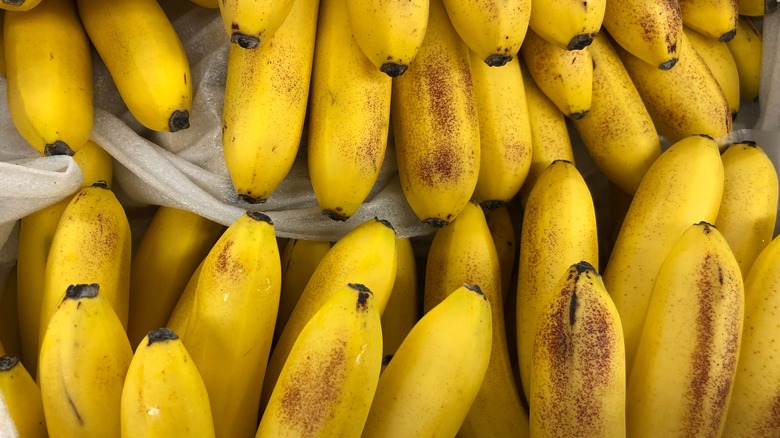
{"type": "Point", "coordinates": [618, 132]}
{"type": "Point", "coordinates": [49, 72]}
{"type": "Point", "coordinates": [686, 360]}
{"type": "Point", "coordinates": [559, 229]}
{"type": "Point", "coordinates": [83, 363]}
{"type": "Point", "coordinates": [648, 29]}
{"type": "Point", "coordinates": [682, 187]}
{"type": "Point", "coordinates": [19, 5]}
{"type": "Point", "coordinates": [349, 116]}
{"type": "Point", "coordinates": [329, 379]}
{"type": "Point", "coordinates": [715, 19]}
{"type": "Point", "coordinates": [499, 222]}
{"type": "Point", "coordinates": [756, 8]}
{"type": "Point", "coordinates": [145, 58]}
{"type": "Point", "coordinates": [163, 394]}
{"type": "Point", "coordinates": [265, 104]}
{"type": "Point", "coordinates": [403, 307]}
{"type": "Point", "coordinates": [22, 398]}
{"type": "Point", "coordinates": [174, 243]}
{"type": "Point", "coordinates": [250, 23]}
{"type": "Point", "coordinates": [747, 47]}
{"type": "Point", "coordinates": [180, 316]}
{"type": "Point", "coordinates": [748, 209]}
{"type": "Point", "coordinates": [565, 76]}
{"type": "Point", "coordinates": [568, 24]}
{"type": "Point", "coordinates": [504, 131]}
{"type": "Point", "coordinates": [437, 137]}
{"type": "Point", "coordinates": [433, 378]}
{"type": "Point", "coordinates": [9, 317]}
{"type": "Point", "coordinates": [578, 384]}
{"type": "Point", "coordinates": [232, 321]}
{"type": "Point", "coordinates": [683, 101]}
{"type": "Point", "coordinates": [718, 58]}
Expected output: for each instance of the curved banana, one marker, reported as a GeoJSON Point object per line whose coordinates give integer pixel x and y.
{"type": "Point", "coordinates": [49, 72]}
{"type": "Point", "coordinates": [505, 142]}
{"type": "Point", "coordinates": [9, 317]}
{"type": "Point", "coordinates": [403, 307]}
{"type": "Point", "coordinates": [131, 36]}
{"type": "Point", "coordinates": [559, 230]}
{"type": "Point", "coordinates": [349, 116]}
{"type": "Point", "coordinates": [250, 23]}
{"type": "Point", "coordinates": [329, 378]}
{"type": "Point", "coordinates": [437, 138]}
{"type": "Point", "coordinates": [433, 378]}
{"type": "Point", "coordinates": [84, 358]}
{"type": "Point", "coordinates": [499, 222]}
{"type": "Point", "coordinates": [757, 8]}
{"type": "Point", "coordinates": [174, 243]}
{"type": "Point", "coordinates": [163, 394]}
{"type": "Point", "coordinates": [658, 215]}
{"type": "Point", "coordinates": [180, 316]}
{"type": "Point", "coordinates": [22, 398]}
{"type": "Point", "coordinates": [19, 5]}
{"type": "Point", "coordinates": [747, 47]}
{"type": "Point", "coordinates": [231, 323]}
{"type": "Point", "coordinates": [748, 209]}
{"type": "Point", "coordinates": [718, 58]}
{"type": "Point", "coordinates": [579, 360]}
{"type": "Point", "coordinates": [648, 29]}
{"type": "Point", "coordinates": [565, 76]}
{"type": "Point", "coordinates": [683, 101]}
{"type": "Point", "coordinates": [686, 359]}
{"type": "Point", "coordinates": [715, 19]}
{"type": "Point", "coordinates": [568, 24]}
{"type": "Point", "coordinates": [265, 104]}
{"type": "Point", "coordinates": [618, 132]}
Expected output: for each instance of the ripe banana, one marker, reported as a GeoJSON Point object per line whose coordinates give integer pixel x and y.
{"type": "Point", "coordinates": [686, 359]}
{"type": "Point", "coordinates": [22, 398]}
{"type": "Point", "coordinates": [715, 19]}
{"type": "Point", "coordinates": [389, 32]}
{"type": "Point", "coordinates": [433, 378]}
{"type": "Point", "coordinates": [163, 394]}
{"type": "Point", "coordinates": [648, 29]}
{"type": "Point", "coordinates": [747, 47]}
{"type": "Point", "coordinates": [504, 131]}
{"type": "Point", "coordinates": [578, 384]}
{"type": "Point", "coordinates": [180, 316]}
{"type": "Point", "coordinates": [683, 101]}
{"type": "Point", "coordinates": [618, 132]}
{"type": "Point", "coordinates": [131, 36]}
{"type": "Point", "coordinates": [436, 125]}
{"type": "Point", "coordinates": [683, 186]}
{"type": "Point", "coordinates": [83, 363]}
{"type": "Point", "coordinates": [403, 307]}
{"type": "Point", "coordinates": [349, 116]}
{"type": "Point", "coordinates": [231, 323]}
{"type": "Point", "coordinates": [568, 24]}
{"type": "Point", "coordinates": [748, 209]}
{"type": "Point", "coordinates": [174, 243]}
{"type": "Point", "coordinates": [559, 229]}
{"type": "Point", "coordinates": [757, 8]}
{"type": "Point", "coordinates": [19, 5]}
{"type": "Point", "coordinates": [9, 317]}
{"type": "Point", "coordinates": [502, 230]}
{"type": "Point", "coordinates": [250, 23]}
{"type": "Point", "coordinates": [329, 378]}
{"type": "Point", "coordinates": [265, 104]}
{"type": "Point", "coordinates": [49, 72]}
{"type": "Point", "coordinates": [718, 58]}
{"type": "Point", "coordinates": [565, 76]}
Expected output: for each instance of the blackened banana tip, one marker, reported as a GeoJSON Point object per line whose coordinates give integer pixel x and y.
{"type": "Point", "coordinates": [180, 119]}
{"type": "Point", "coordinates": [101, 184]}
{"type": "Point", "coordinates": [13, 2]}
{"type": "Point", "coordinates": [668, 64]}
{"type": "Point", "coordinates": [161, 335]}
{"type": "Point", "coordinates": [579, 115]}
{"type": "Point", "coordinates": [245, 41]}
{"type": "Point", "coordinates": [475, 288]}
{"type": "Point", "coordinates": [581, 41]}
{"type": "Point", "coordinates": [583, 267]}
{"type": "Point", "coordinates": [251, 200]}
{"type": "Point", "coordinates": [386, 223]}
{"type": "Point", "coordinates": [386, 360]}
{"type": "Point", "coordinates": [335, 216]}
{"type": "Point", "coordinates": [750, 143]}
{"type": "Point", "coordinates": [76, 291]}
{"type": "Point", "coordinates": [435, 222]}
{"type": "Point", "coordinates": [707, 136]}
{"type": "Point", "coordinates": [728, 36]}
{"type": "Point", "coordinates": [491, 205]}
{"type": "Point", "coordinates": [497, 60]}
{"type": "Point", "coordinates": [57, 148]}
{"type": "Point", "coordinates": [7, 363]}
{"type": "Point", "coordinates": [260, 217]}
{"type": "Point", "coordinates": [392, 69]}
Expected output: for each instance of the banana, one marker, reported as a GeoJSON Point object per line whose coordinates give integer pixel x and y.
{"type": "Point", "coordinates": [19, 5]}
{"type": "Point", "coordinates": [568, 24]}
{"type": "Point", "coordinates": [349, 116]}
{"type": "Point", "coordinates": [502, 230]}
{"type": "Point", "coordinates": [618, 132]}
{"type": "Point", "coordinates": [389, 32]}
{"type": "Point", "coordinates": [180, 316]}
{"type": "Point", "coordinates": [464, 252]}
{"type": "Point", "coordinates": [403, 310]}
{"type": "Point", "coordinates": [163, 394]}
{"type": "Point", "coordinates": [715, 19]}
{"type": "Point", "coordinates": [578, 383]}
{"type": "Point", "coordinates": [747, 47]}
{"type": "Point", "coordinates": [9, 317]}
{"type": "Point", "coordinates": [752, 410]}
{"type": "Point", "coordinates": [22, 398]}
{"type": "Point", "coordinates": [250, 23]}
{"type": "Point", "coordinates": [3, 69]}
{"type": "Point", "coordinates": [648, 29]}
{"type": "Point", "coordinates": [559, 229]}
{"type": "Point", "coordinates": [686, 360]}
{"type": "Point", "coordinates": [49, 72]}
{"type": "Point", "coordinates": [265, 104]}
{"type": "Point", "coordinates": [329, 379]}
{"type": "Point", "coordinates": [433, 378]}
{"type": "Point", "coordinates": [174, 243]}
{"type": "Point", "coordinates": [565, 76]}
{"type": "Point", "coordinates": [756, 8]}
{"type": "Point", "coordinates": [211, 4]}
{"type": "Point", "coordinates": [131, 36]}
{"type": "Point", "coordinates": [504, 131]}
{"type": "Point", "coordinates": [748, 209]}
{"type": "Point", "coordinates": [366, 255]}
{"type": "Point", "coordinates": [683, 101]}
{"type": "Point", "coordinates": [718, 58]}
{"type": "Point", "coordinates": [83, 364]}
{"type": "Point", "coordinates": [493, 30]}
{"type": "Point", "coordinates": [683, 186]}
{"type": "Point", "coordinates": [436, 125]}
{"type": "Point", "coordinates": [232, 319]}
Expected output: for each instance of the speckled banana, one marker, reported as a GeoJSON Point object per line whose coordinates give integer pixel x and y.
{"type": "Point", "coordinates": [403, 310]}
{"type": "Point", "coordinates": [49, 72]}
{"type": "Point", "coordinates": [715, 19]}
{"type": "Point", "coordinates": [180, 316]}
{"type": "Point", "coordinates": [757, 8]}
{"type": "Point", "coordinates": [19, 5]}
{"type": "Point", "coordinates": [721, 63]}
{"type": "Point", "coordinates": [22, 398]}
{"type": "Point", "coordinates": [568, 24]}
{"type": "Point", "coordinates": [686, 359]}
{"type": "Point", "coordinates": [251, 23]}
{"type": "Point", "coordinates": [747, 47]}
{"type": "Point", "coordinates": [648, 29]}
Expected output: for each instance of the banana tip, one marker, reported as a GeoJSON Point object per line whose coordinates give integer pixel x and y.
{"type": "Point", "coordinates": [578, 115]}
{"type": "Point", "coordinates": [335, 216]}
{"type": "Point", "coordinates": [57, 148]}
{"type": "Point", "coordinates": [581, 41]}
{"type": "Point", "coordinates": [386, 223]}
{"type": "Point", "coordinates": [76, 291]}
{"type": "Point", "coordinates": [8, 362]}
{"type": "Point", "coordinates": [393, 69]}
{"type": "Point", "coordinates": [260, 217]}
{"type": "Point", "coordinates": [668, 64]}
{"type": "Point", "coordinates": [728, 36]}
{"type": "Point", "coordinates": [491, 205]}
{"type": "Point", "coordinates": [435, 222]}
{"type": "Point", "coordinates": [180, 119]}
{"type": "Point", "coordinates": [497, 60]}
{"type": "Point", "coordinates": [13, 2]}
{"type": "Point", "coordinates": [101, 184]}
{"type": "Point", "coordinates": [161, 335]}
{"type": "Point", "coordinates": [475, 288]}
{"type": "Point", "coordinates": [251, 200]}
{"type": "Point", "coordinates": [583, 267]}
{"type": "Point", "coordinates": [245, 41]}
